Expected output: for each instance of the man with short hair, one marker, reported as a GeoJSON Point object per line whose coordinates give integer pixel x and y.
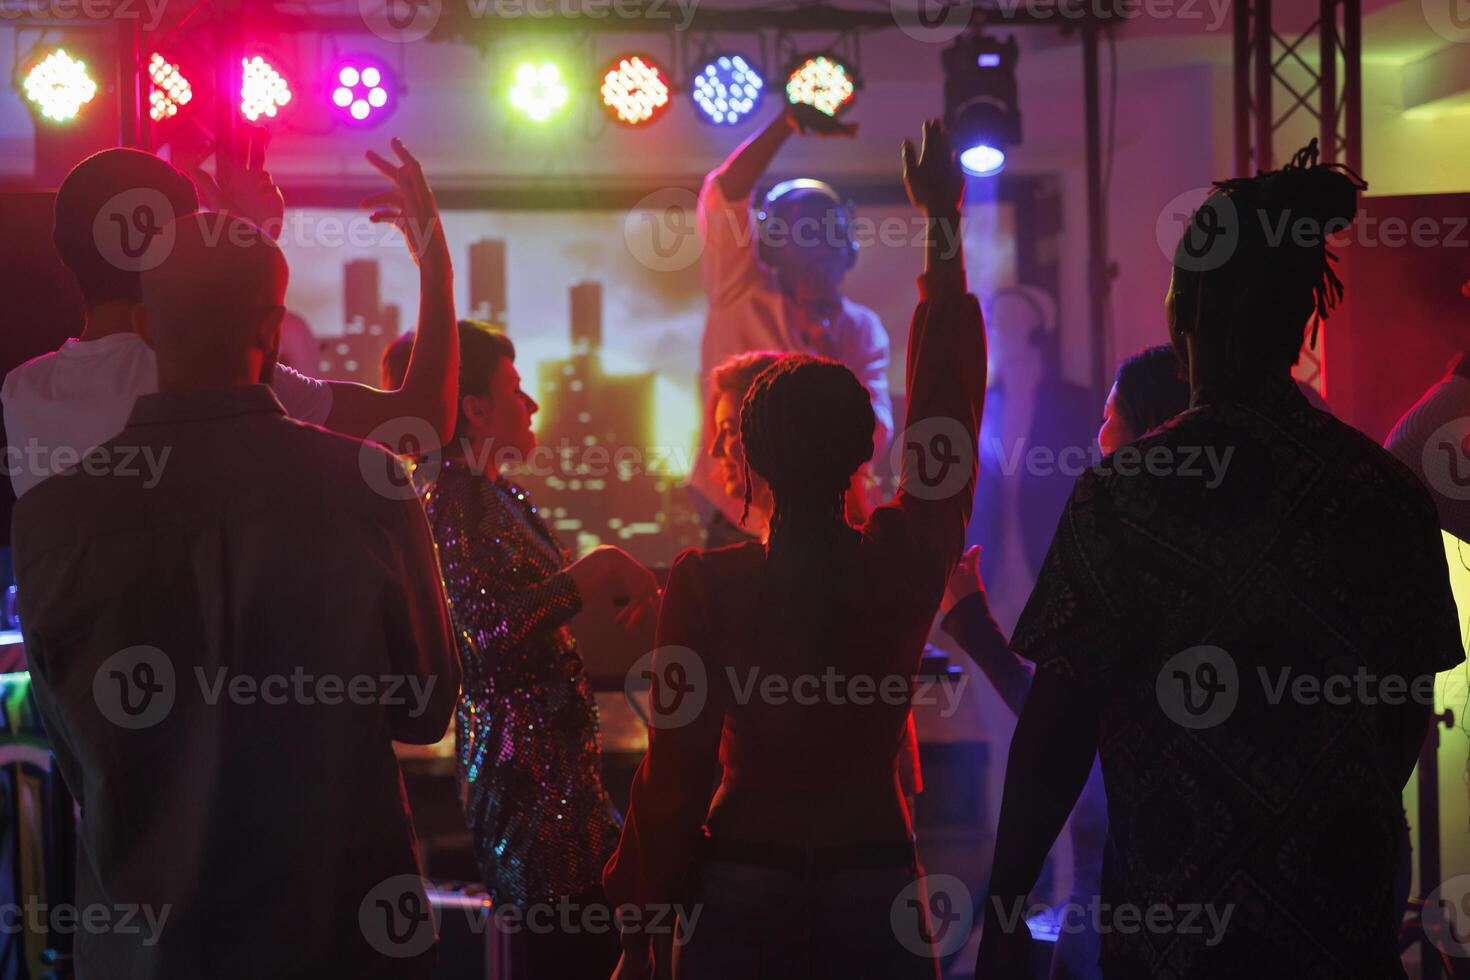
{"type": "Point", "coordinates": [110, 212]}
{"type": "Point", "coordinates": [224, 650]}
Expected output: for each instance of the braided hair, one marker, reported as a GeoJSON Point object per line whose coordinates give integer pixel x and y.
{"type": "Point", "coordinates": [1253, 266]}
{"type": "Point", "coordinates": [807, 426]}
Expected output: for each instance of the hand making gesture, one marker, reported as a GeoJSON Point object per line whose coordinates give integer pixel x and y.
{"type": "Point", "coordinates": [808, 120]}
{"type": "Point", "coordinates": [243, 186]}
{"type": "Point", "coordinates": [932, 176]}
{"type": "Point", "coordinates": [409, 206]}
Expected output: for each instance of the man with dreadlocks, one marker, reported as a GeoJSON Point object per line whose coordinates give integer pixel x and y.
{"type": "Point", "coordinates": [1248, 655]}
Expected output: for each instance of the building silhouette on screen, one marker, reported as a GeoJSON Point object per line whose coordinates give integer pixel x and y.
{"type": "Point", "coordinates": [608, 480]}
{"type": "Point", "coordinates": [368, 326]}
{"type": "Point", "coordinates": [600, 476]}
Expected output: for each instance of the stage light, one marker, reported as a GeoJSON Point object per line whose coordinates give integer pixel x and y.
{"type": "Point", "coordinates": [821, 81]}
{"type": "Point", "coordinates": [983, 160]}
{"type": "Point", "coordinates": [263, 90]}
{"type": "Point", "coordinates": [727, 89]}
{"type": "Point", "coordinates": [981, 108]}
{"type": "Point", "coordinates": [58, 86]}
{"type": "Point", "coordinates": [361, 91]}
{"type": "Point", "coordinates": [538, 90]}
{"type": "Point", "coordinates": [634, 90]}
{"type": "Point", "coordinates": [170, 90]}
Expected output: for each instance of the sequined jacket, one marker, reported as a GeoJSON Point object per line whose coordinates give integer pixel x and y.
{"type": "Point", "coordinates": [528, 747]}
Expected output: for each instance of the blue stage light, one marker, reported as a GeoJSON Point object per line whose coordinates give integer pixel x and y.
{"type": "Point", "coordinates": [983, 160]}
{"type": "Point", "coordinates": [727, 89]}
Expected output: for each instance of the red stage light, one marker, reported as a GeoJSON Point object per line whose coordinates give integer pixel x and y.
{"type": "Point", "coordinates": [263, 90]}
{"type": "Point", "coordinates": [634, 90]}
{"type": "Point", "coordinates": [170, 90]}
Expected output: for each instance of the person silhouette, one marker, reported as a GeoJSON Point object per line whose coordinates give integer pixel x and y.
{"type": "Point", "coordinates": [1181, 624]}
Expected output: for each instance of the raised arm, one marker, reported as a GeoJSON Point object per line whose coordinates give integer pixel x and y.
{"type": "Point", "coordinates": [725, 224]}
{"type": "Point", "coordinates": [430, 387]}
{"type": "Point", "coordinates": [946, 384]}
{"type": "Point", "coordinates": [967, 618]}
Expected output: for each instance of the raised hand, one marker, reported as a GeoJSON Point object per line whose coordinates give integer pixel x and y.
{"type": "Point", "coordinates": [964, 581]}
{"type": "Point", "coordinates": [244, 188]}
{"type": "Point", "coordinates": [808, 120]}
{"type": "Point", "coordinates": [409, 206]}
{"type": "Point", "coordinates": [932, 176]}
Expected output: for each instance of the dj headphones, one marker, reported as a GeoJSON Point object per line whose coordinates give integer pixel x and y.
{"type": "Point", "coordinates": [765, 214]}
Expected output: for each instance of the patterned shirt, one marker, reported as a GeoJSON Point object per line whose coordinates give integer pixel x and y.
{"type": "Point", "coordinates": [530, 756]}
{"type": "Point", "coordinates": [1249, 592]}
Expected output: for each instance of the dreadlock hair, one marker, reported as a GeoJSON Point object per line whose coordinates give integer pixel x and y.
{"type": "Point", "coordinates": [1151, 389]}
{"type": "Point", "coordinates": [807, 426]}
{"type": "Point", "coordinates": [1253, 265]}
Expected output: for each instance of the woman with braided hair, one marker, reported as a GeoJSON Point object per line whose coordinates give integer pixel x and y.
{"type": "Point", "coordinates": [1206, 636]}
{"type": "Point", "coordinates": [784, 669]}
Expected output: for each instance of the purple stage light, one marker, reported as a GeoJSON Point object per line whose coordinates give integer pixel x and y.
{"type": "Point", "coordinates": [361, 91]}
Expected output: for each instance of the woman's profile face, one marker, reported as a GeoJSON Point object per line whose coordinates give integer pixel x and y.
{"type": "Point", "coordinates": [1115, 432]}
{"type": "Point", "coordinates": [726, 446]}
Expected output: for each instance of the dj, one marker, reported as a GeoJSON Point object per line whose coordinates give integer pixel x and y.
{"type": "Point", "coordinates": [773, 276]}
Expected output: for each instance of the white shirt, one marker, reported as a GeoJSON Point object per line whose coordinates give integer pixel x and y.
{"type": "Point", "coordinates": [748, 311]}
{"type": "Point", "coordinates": [60, 405]}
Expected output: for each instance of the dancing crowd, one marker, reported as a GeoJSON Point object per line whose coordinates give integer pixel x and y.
{"type": "Point", "coordinates": [225, 648]}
